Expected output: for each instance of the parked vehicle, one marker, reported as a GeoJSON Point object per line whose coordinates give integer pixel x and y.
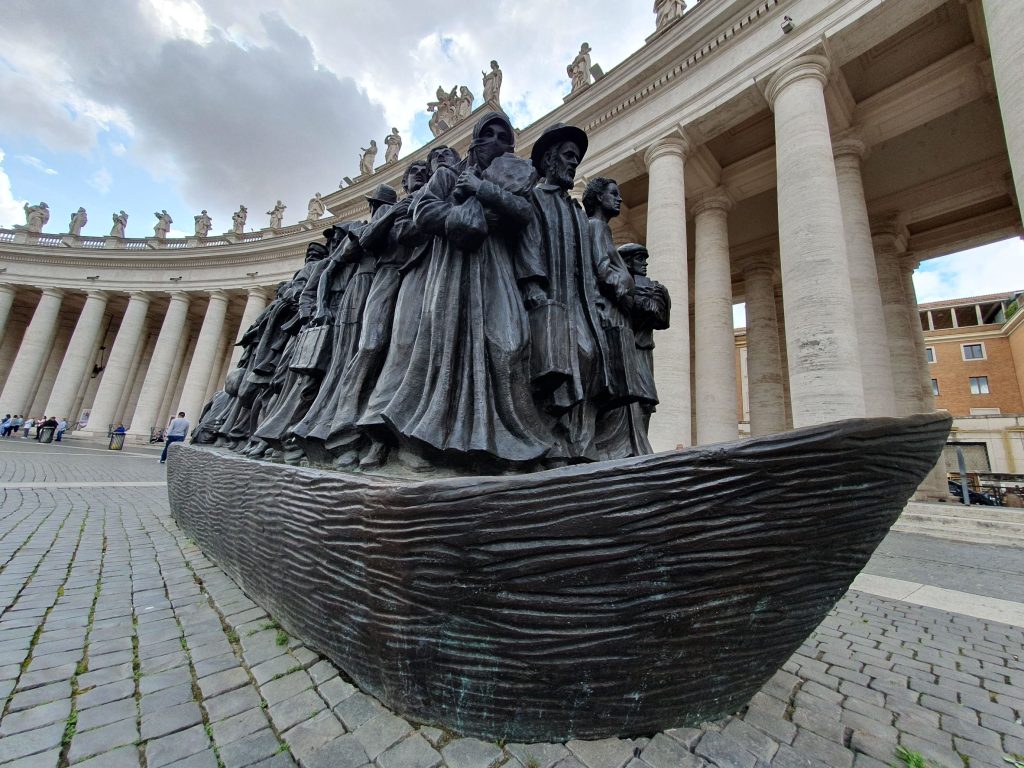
{"type": "Point", "coordinates": [985, 499]}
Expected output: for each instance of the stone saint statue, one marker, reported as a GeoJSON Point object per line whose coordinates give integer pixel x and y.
{"type": "Point", "coordinates": [667, 11]}
{"type": "Point", "coordinates": [238, 220]}
{"type": "Point", "coordinates": [393, 142]}
{"type": "Point", "coordinates": [492, 83]}
{"type": "Point", "coordinates": [465, 103]}
{"type": "Point", "coordinates": [36, 216]}
{"type": "Point", "coordinates": [78, 220]}
{"type": "Point", "coordinates": [316, 208]}
{"type": "Point", "coordinates": [163, 224]}
{"type": "Point", "coordinates": [120, 222]}
{"type": "Point", "coordinates": [445, 111]}
{"type": "Point", "coordinates": [203, 224]}
{"type": "Point", "coordinates": [579, 70]}
{"type": "Point", "coordinates": [277, 215]}
{"type": "Point", "coordinates": [366, 161]}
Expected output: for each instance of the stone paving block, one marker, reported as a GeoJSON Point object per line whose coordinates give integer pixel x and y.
{"type": "Point", "coordinates": [44, 676]}
{"type": "Point", "coordinates": [205, 759]}
{"type": "Point", "coordinates": [44, 694]}
{"type": "Point", "coordinates": [105, 675]}
{"type": "Point", "coordinates": [219, 663]}
{"type": "Point", "coordinates": [306, 737]}
{"type": "Point", "coordinates": [152, 650]}
{"type": "Point", "coordinates": [104, 693]}
{"type": "Point", "coordinates": [433, 735]}
{"type": "Point", "coordinates": [285, 687]}
{"type": "Point", "coordinates": [357, 709]}
{"type": "Point", "coordinates": [154, 703]}
{"type": "Point", "coordinates": [232, 703]}
{"type": "Point", "coordinates": [31, 742]}
{"type": "Point", "coordinates": [979, 754]}
{"type": "Point", "coordinates": [112, 659]}
{"type": "Point", "coordinates": [416, 752]}
{"type": "Point", "coordinates": [541, 755]}
{"type": "Point", "coordinates": [970, 730]}
{"type": "Point", "coordinates": [177, 746]}
{"type": "Point", "coordinates": [281, 760]}
{"type": "Point", "coordinates": [752, 740]}
{"type": "Point", "coordinates": [321, 672]}
{"type": "Point", "coordinates": [721, 749]}
{"type": "Point", "coordinates": [275, 667]}
{"type": "Point", "coordinates": [222, 682]}
{"type": "Point", "coordinates": [176, 718]}
{"type": "Point", "coordinates": [163, 680]}
{"type": "Point", "coordinates": [235, 727]}
{"type": "Point", "coordinates": [879, 746]}
{"type": "Point", "coordinates": [936, 754]}
{"type": "Point", "coordinates": [35, 717]}
{"type": "Point", "coordinates": [100, 740]}
{"type": "Point", "coordinates": [250, 749]}
{"type": "Point", "coordinates": [788, 757]}
{"type": "Point", "coordinates": [381, 732]}
{"type": "Point", "coordinates": [305, 656]}
{"type": "Point", "coordinates": [168, 661]}
{"type": "Point", "coordinates": [292, 711]}
{"type": "Point", "coordinates": [49, 759]}
{"type": "Point", "coordinates": [342, 752]}
{"type": "Point", "coordinates": [601, 753]}
{"type": "Point", "coordinates": [666, 752]}
{"type": "Point", "coordinates": [105, 713]}
{"type": "Point", "coordinates": [122, 757]}
{"type": "Point", "coordinates": [335, 691]}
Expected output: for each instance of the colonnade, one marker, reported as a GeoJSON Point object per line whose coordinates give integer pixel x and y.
{"type": "Point", "coordinates": [157, 362]}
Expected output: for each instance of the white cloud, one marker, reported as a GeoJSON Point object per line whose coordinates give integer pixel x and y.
{"type": "Point", "coordinates": [35, 162]}
{"type": "Point", "coordinates": [182, 19]}
{"type": "Point", "coordinates": [994, 268]}
{"type": "Point", "coordinates": [117, 149]}
{"type": "Point", "coordinates": [101, 181]}
{"type": "Point", "coordinates": [11, 210]}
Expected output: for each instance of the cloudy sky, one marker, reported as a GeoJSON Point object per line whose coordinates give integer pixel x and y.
{"type": "Point", "coordinates": [189, 104]}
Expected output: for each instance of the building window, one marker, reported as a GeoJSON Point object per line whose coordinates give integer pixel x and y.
{"type": "Point", "coordinates": [929, 354]}
{"type": "Point", "coordinates": [935, 387]}
{"type": "Point", "coordinates": [979, 385]}
{"type": "Point", "coordinates": [973, 351]}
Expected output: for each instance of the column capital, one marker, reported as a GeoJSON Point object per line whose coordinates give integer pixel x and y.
{"type": "Point", "coordinates": [54, 293]}
{"type": "Point", "coordinates": [667, 145]}
{"type": "Point", "coordinates": [96, 293]}
{"type": "Point", "coordinates": [219, 295]}
{"type": "Point", "coordinates": [183, 296]}
{"type": "Point", "coordinates": [140, 297]}
{"type": "Point", "coordinates": [812, 67]}
{"type": "Point", "coordinates": [8, 289]}
{"type": "Point", "coordinates": [717, 199]}
{"type": "Point", "coordinates": [258, 291]}
{"type": "Point", "coordinates": [849, 144]}
{"type": "Point", "coordinates": [910, 261]}
{"type": "Point", "coordinates": [888, 232]}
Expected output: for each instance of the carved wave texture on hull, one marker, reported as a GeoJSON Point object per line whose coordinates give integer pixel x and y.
{"type": "Point", "coordinates": [617, 598]}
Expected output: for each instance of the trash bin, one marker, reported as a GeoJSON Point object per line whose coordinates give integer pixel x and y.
{"type": "Point", "coordinates": [46, 434]}
{"type": "Point", "coordinates": [116, 441]}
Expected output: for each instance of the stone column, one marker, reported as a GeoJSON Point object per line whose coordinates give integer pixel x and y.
{"type": "Point", "coordinates": [780, 324]}
{"type": "Point", "coordinates": [873, 349]}
{"type": "Point", "coordinates": [889, 244]}
{"type": "Point", "coordinates": [764, 364]}
{"type": "Point", "coordinates": [821, 335]}
{"type": "Point", "coordinates": [78, 357]}
{"type": "Point", "coordinates": [117, 372]}
{"type": "Point", "coordinates": [176, 381]}
{"type": "Point", "coordinates": [7, 296]}
{"type": "Point", "coordinates": [254, 304]}
{"type": "Point", "coordinates": [140, 364]}
{"type": "Point", "coordinates": [33, 353]}
{"type": "Point", "coordinates": [160, 366]}
{"type": "Point", "coordinates": [933, 487]}
{"type": "Point", "coordinates": [1005, 25]}
{"type": "Point", "coordinates": [715, 353]}
{"type": "Point", "coordinates": [666, 242]}
{"type": "Point", "coordinates": [204, 357]}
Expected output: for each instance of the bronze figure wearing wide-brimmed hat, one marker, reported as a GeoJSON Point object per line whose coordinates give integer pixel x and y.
{"type": "Point", "coordinates": [383, 195]}
{"type": "Point", "coordinates": [556, 134]}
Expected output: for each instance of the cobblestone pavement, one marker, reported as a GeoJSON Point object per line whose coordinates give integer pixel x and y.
{"type": "Point", "coordinates": [122, 645]}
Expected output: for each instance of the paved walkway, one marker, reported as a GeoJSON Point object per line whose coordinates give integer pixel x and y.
{"type": "Point", "coordinates": [122, 645]}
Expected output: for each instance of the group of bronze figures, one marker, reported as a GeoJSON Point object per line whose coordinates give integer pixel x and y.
{"type": "Point", "coordinates": [484, 322]}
